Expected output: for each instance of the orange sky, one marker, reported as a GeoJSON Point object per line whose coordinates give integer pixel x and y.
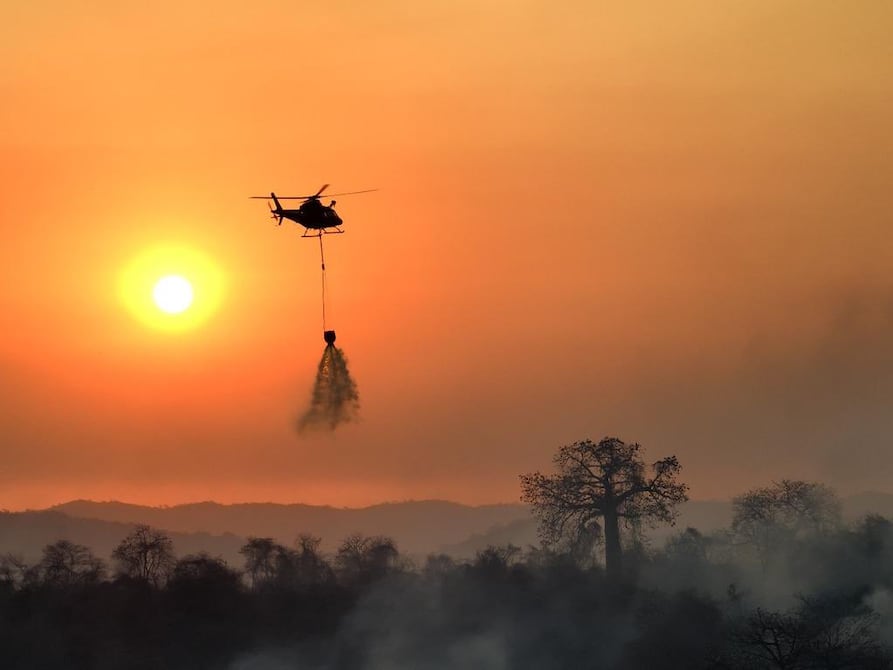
{"type": "Point", "coordinates": [664, 221]}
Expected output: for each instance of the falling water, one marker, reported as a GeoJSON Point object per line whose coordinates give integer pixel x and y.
{"type": "Point", "coordinates": [335, 399]}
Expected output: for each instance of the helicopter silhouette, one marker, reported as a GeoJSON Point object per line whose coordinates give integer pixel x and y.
{"type": "Point", "coordinates": [312, 214]}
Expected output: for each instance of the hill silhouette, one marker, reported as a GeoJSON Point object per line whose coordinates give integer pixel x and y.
{"type": "Point", "coordinates": [419, 527]}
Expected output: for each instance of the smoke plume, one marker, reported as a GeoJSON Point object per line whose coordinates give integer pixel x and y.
{"type": "Point", "coordinates": [335, 399]}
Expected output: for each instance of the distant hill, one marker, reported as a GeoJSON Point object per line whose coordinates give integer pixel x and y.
{"type": "Point", "coordinates": [521, 533]}
{"type": "Point", "coordinates": [420, 527]}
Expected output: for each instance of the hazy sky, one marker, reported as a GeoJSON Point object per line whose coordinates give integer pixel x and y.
{"type": "Point", "coordinates": [665, 221]}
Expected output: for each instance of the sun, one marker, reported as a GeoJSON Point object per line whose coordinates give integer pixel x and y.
{"type": "Point", "coordinates": [173, 294]}
{"type": "Point", "coordinates": [172, 288]}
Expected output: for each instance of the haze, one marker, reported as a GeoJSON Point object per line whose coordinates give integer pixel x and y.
{"type": "Point", "coordinates": [665, 222]}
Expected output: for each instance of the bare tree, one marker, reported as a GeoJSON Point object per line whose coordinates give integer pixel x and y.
{"type": "Point", "coordinates": [146, 554]}
{"type": "Point", "coordinates": [816, 634]}
{"type": "Point", "coordinates": [605, 482]}
{"type": "Point", "coordinates": [765, 518]}
{"type": "Point", "coordinates": [65, 563]}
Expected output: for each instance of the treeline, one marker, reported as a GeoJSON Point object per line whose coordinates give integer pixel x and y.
{"type": "Point", "coordinates": [149, 609]}
{"type": "Point", "coordinates": [697, 602]}
{"type": "Point", "coordinates": [788, 585]}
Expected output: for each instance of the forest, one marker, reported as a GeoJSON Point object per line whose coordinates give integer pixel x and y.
{"type": "Point", "coordinates": [787, 585]}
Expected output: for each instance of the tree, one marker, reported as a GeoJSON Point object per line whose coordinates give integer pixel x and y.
{"type": "Point", "coordinates": [260, 559]}
{"type": "Point", "coordinates": [146, 554]}
{"type": "Point", "coordinates": [310, 566]}
{"type": "Point", "coordinates": [767, 517]}
{"type": "Point", "coordinates": [206, 612]}
{"type": "Point", "coordinates": [362, 559]}
{"type": "Point", "coordinates": [65, 564]}
{"type": "Point", "coordinates": [269, 563]}
{"type": "Point", "coordinates": [818, 633]}
{"type": "Point", "coordinates": [202, 568]}
{"type": "Point", "coordinates": [605, 482]}
{"type": "Point", "coordinates": [495, 560]}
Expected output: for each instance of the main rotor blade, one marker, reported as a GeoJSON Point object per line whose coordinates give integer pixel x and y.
{"type": "Point", "coordinates": [319, 192]}
{"type": "Point", "coordinates": [308, 197]}
{"type": "Point", "coordinates": [332, 195]}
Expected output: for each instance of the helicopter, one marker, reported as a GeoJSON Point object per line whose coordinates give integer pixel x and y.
{"type": "Point", "coordinates": [312, 214]}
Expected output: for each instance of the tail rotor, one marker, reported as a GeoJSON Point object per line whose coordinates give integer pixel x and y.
{"type": "Point", "coordinates": [274, 214]}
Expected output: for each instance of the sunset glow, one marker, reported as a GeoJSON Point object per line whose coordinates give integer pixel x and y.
{"type": "Point", "coordinates": [172, 288]}
{"type": "Point", "coordinates": [667, 222]}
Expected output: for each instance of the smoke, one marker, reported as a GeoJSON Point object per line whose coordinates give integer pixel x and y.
{"type": "Point", "coordinates": [335, 399]}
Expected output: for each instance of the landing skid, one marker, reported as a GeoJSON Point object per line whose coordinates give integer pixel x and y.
{"type": "Point", "coordinates": [319, 232]}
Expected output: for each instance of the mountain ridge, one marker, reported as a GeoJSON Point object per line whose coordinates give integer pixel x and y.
{"type": "Point", "coordinates": [419, 527]}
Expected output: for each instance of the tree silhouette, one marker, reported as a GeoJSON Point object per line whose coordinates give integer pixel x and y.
{"type": "Point", "coordinates": [146, 554]}
{"type": "Point", "coordinates": [202, 568]}
{"type": "Point", "coordinates": [205, 608]}
{"type": "Point", "coordinates": [693, 605]}
{"type": "Point", "coordinates": [765, 518]}
{"type": "Point", "coordinates": [362, 559]}
{"type": "Point", "coordinates": [310, 566]}
{"type": "Point", "coordinates": [819, 633]}
{"type": "Point", "coordinates": [605, 481]}
{"type": "Point", "coordinates": [66, 564]}
{"type": "Point", "coordinates": [260, 559]}
{"type": "Point", "coordinates": [496, 560]}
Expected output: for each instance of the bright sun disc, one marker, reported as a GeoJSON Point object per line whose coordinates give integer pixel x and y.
{"type": "Point", "coordinates": [172, 287]}
{"type": "Point", "coordinates": [172, 294]}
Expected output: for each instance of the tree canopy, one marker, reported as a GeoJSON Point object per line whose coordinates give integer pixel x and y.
{"type": "Point", "coordinates": [606, 483]}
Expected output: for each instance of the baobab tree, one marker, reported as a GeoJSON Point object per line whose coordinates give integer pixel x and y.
{"type": "Point", "coordinates": [605, 483]}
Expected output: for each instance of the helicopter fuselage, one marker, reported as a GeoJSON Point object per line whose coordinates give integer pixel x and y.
{"type": "Point", "coordinates": [326, 218]}
{"type": "Point", "coordinates": [312, 214]}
